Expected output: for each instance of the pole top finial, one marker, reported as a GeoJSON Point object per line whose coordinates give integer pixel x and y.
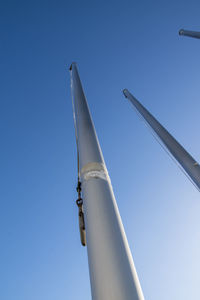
{"type": "Point", "coordinates": [125, 91]}
{"type": "Point", "coordinates": [73, 63]}
{"type": "Point", "coordinates": [181, 32]}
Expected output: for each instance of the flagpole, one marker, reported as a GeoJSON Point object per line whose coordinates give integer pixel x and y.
{"type": "Point", "coordinates": [193, 34]}
{"type": "Point", "coordinates": [112, 272]}
{"type": "Point", "coordinates": [185, 160]}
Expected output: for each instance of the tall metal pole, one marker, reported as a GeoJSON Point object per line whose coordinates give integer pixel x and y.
{"type": "Point", "coordinates": [112, 272]}
{"type": "Point", "coordinates": [186, 161]}
{"type": "Point", "coordinates": [193, 34]}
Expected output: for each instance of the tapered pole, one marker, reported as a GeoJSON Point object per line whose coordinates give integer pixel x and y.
{"type": "Point", "coordinates": [193, 34]}
{"type": "Point", "coordinates": [112, 272]}
{"type": "Point", "coordinates": [186, 161]}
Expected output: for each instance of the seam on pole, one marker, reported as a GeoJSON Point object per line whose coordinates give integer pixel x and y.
{"type": "Point", "coordinates": [94, 170]}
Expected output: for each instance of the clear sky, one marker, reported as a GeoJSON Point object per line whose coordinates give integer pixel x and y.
{"type": "Point", "coordinates": [116, 44]}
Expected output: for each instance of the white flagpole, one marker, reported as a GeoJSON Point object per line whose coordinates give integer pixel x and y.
{"type": "Point", "coordinates": [185, 160]}
{"type": "Point", "coordinates": [112, 272]}
{"type": "Point", "coordinates": [193, 34]}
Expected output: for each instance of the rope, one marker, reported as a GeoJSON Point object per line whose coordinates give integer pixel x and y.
{"type": "Point", "coordinates": [79, 201]}
{"type": "Point", "coordinates": [76, 134]}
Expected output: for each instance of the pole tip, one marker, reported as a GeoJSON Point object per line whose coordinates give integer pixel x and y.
{"type": "Point", "coordinates": [72, 64]}
{"type": "Point", "coordinates": [125, 91]}
{"type": "Point", "coordinates": [181, 32]}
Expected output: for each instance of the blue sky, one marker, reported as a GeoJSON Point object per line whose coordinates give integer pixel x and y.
{"type": "Point", "coordinates": [116, 44]}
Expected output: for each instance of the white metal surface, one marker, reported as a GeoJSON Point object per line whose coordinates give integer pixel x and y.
{"type": "Point", "coordinates": [187, 163]}
{"type": "Point", "coordinates": [112, 272]}
{"type": "Point", "coordinates": [193, 34]}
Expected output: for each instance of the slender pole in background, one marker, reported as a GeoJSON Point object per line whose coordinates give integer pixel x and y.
{"type": "Point", "coordinates": [186, 161]}
{"type": "Point", "coordinates": [193, 34]}
{"type": "Point", "coordinates": [112, 272]}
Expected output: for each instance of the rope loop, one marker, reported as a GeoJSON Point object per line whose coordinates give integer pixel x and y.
{"type": "Point", "coordinates": [79, 202]}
